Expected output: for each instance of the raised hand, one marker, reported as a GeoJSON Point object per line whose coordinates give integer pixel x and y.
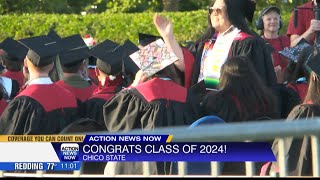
{"type": "Point", "coordinates": [163, 25]}
{"type": "Point", "coordinates": [314, 26]}
{"type": "Point", "coordinates": [139, 78]}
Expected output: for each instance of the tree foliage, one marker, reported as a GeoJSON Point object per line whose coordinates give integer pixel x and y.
{"type": "Point", "coordinates": [119, 6]}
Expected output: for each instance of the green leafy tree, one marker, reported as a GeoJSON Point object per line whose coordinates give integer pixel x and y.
{"type": "Point", "coordinates": [132, 6]}
{"type": "Point", "coordinates": [193, 5]}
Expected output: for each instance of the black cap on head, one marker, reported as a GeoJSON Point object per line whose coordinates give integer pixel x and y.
{"type": "Point", "coordinates": [74, 50]}
{"type": "Point", "coordinates": [42, 50]}
{"type": "Point", "coordinates": [108, 61]}
{"type": "Point", "coordinates": [15, 50]}
{"type": "Point", "coordinates": [270, 8]}
{"type": "Point", "coordinates": [128, 47]}
{"type": "Point", "coordinates": [105, 46]}
{"type": "Point", "coordinates": [145, 39]}
{"type": "Point", "coordinates": [53, 35]}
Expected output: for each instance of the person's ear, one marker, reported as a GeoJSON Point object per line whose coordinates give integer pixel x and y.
{"type": "Point", "coordinates": [25, 62]}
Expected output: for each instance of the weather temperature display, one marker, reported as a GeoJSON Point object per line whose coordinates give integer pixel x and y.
{"type": "Point", "coordinates": [40, 166]}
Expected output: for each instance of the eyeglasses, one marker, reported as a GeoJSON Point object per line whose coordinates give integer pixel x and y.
{"type": "Point", "coordinates": [215, 10]}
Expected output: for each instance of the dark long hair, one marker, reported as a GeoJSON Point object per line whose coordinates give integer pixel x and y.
{"type": "Point", "coordinates": [239, 79]}
{"type": "Point", "coordinates": [239, 13]}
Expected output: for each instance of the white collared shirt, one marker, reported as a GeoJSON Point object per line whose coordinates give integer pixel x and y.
{"type": "Point", "coordinates": [42, 80]}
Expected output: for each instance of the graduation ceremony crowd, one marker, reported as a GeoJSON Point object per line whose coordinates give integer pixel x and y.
{"type": "Point", "coordinates": [56, 85]}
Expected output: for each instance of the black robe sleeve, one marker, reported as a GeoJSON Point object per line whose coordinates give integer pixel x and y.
{"type": "Point", "coordinates": [298, 149]}
{"type": "Point", "coordinates": [93, 109]}
{"type": "Point", "coordinates": [121, 112]}
{"type": "Point", "coordinates": [22, 116]}
{"type": "Point", "coordinates": [130, 110]}
{"type": "Point", "coordinates": [256, 51]}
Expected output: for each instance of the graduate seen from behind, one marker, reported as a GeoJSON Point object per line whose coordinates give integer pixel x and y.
{"type": "Point", "coordinates": [13, 56]}
{"type": "Point", "coordinates": [298, 150]}
{"type": "Point", "coordinates": [109, 73]}
{"type": "Point", "coordinates": [158, 102]}
{"type": "Point", "coordinates": [12, 60]}
{"type": "Point", "coordinates": [74, 60]}
{"type": "Point", "coordinates": [228, 35]}
{"type": "Point", "coordinates": [242, 96]}
{"type": "Point", "coordinates": [42, 107]}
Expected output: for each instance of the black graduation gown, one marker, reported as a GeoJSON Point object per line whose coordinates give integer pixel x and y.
{"type": "Point", "coordinates": [93, 107]}
{"type": "Point", "coordinates": [156, 103]}
{"type": "Point", "coordinates": [226, 107]}
{"type": "Point", "coordinates": [299, 153]}
{"type": "Point", "coordinates": [39, 109]}
{"type": "Point", "coordinates": [247, 45]}
{"type": "Point", "coordinates": [153, 104]}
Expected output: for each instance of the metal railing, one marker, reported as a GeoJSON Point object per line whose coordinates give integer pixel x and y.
{"type": "Point", "coordinates": [227, 132]}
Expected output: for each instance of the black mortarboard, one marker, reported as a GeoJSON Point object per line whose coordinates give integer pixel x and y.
{"type": "Point", "coordinates": [42, 50]}
{"type": "Point", "coordinates": [74, 50]}
{"type": "Point", "coordinates": [153, 58]}
{"type": "Point", "coordinates": [145, 39]}
{"type": "Point", "coordinates": [313, 64]}
{"type": "Point", "coordinates": [53, 35]}
{"type": "Point", "coordinates": [108, 61]}
{"type": "Point", "coordinates": [15, 50]}
{"type": "Point", "coordinates": [128, 47]}
{"type": "Point", "coordinates": [293, 52]}
{"type": "Point", "coordinates": [105, 46]}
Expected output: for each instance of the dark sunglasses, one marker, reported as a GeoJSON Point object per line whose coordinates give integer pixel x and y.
{"type": "Point", "coordinates": [215, 11]}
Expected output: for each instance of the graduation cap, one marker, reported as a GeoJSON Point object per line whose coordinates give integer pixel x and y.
{"type": "Point", "coordinates": [108, 61]}
{"type": "Point", "coordinates": [74, 50]}
{"type": "Point", "coordinates": [126, 49]}
{"type": "Point", "coordinates": [105, 46]}
{"type": "Point", "coordinates": [42, 50]}
{"type": "Point", "coordinates": [145, 39]}
{"type": "Point", "coordinates": [15, 50]}
{"type": "Point", "coordinates": [313, 63]}
{"type": "Point", "coordinates": [293, 52]}
{"type": "Point", "coordinates": [53, 35]}
{"type": "Point", "coordinates": [154, 57]}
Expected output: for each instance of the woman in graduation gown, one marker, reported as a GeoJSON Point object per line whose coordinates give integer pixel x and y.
{"type": "Point", "coordinates": [242, 96]}
{"type": "Point", "coordinates": [158, 102]}
{"type": "Point", "coordinates": [228, 35]}
{"type": "Point", "coordinates": [298, 150]}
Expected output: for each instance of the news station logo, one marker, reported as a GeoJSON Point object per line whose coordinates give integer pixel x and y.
{"type": "Point", "coordinates": [69, 152]}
